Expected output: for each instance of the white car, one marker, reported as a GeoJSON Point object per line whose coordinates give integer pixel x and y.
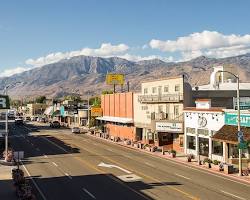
{"type": "Point", "coordinates": [75, 130]}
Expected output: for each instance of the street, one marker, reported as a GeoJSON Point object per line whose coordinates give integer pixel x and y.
{"type": "Point", "coordinates": [63, 165]}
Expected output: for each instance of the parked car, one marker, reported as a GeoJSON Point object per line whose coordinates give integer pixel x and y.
{"type": "Point", "coordinates": [75, 130]}
{"type": "Point", "coordinates": [55, 124]}
{"type": "Point", "coordinates": [18, 121]}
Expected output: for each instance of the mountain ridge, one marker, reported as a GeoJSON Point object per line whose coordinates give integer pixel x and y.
{"type": "Point", "coordinates": [86, 74]}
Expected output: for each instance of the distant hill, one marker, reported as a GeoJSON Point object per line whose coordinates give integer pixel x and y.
{"type": "Point", "coordinates": [84, 74]}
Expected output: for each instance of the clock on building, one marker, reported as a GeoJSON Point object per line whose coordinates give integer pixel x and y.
{"type": "Point", "coordinates": [202, 121]}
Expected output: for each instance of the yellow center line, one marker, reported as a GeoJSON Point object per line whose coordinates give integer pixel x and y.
{"type": "Point", "coordinates": [190, 196]}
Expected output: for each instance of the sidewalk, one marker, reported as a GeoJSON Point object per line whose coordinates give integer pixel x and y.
{"type": "Point", "coordinates": [181, 159]}
{"type": "Point", "coordinates": [7, 190]}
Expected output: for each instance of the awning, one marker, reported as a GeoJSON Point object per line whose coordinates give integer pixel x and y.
{"type": "Point", "coordinates": [122, 120]}
{"type": "Point", "coordinates": [229, 134]}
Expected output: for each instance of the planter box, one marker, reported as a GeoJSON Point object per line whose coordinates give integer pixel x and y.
{"type": "Point", "coordinates": [216, 167]}
{"type": "Point", "coordinates": [208, 165]}
{"type": "Point", "coordinates": [228, 169]}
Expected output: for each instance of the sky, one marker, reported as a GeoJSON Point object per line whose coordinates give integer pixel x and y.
{"type": "Point", "coordinates": [36, 33]}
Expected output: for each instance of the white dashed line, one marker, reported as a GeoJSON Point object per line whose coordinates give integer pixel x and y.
{"type": "Point", "coordinates": [91, 195]}
{"type": "Point", "coordinates": [54, 164]}
{"type": "Point", "coordinates": [45, 156]}
{"type": "Point", "coordinates": [232, 195]}
{"type": "Point", "coordinates": [149, 164]}
{"type": "Point", "coordinates": [110, 150]}
{"type": "Point", "coordinates": [182, 176]}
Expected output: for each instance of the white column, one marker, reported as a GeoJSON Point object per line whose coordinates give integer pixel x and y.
{"type": "Point", "coordinates": [225, 152]}
{"type": "Point", "coordinates": [185, 143]}
{"type": "Point", "coordinates": [197, 145]}
{"type": "Point", "coordinates": [210, 148]}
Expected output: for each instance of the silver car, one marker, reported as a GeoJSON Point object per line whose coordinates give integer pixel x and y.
{"type": "Point", "coordinates": [75, 130]}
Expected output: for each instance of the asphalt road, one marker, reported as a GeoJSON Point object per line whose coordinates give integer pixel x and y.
{"type": "Point", "coordinates": [66, 166]}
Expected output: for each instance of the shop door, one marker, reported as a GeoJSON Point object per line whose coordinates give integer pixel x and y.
{"type": "Point", "coordinates": [204, 146]}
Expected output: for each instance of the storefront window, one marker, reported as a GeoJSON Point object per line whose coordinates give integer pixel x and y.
{"type": "Point", "coordinates": [191, 143]}
{"type": "Point", "coordinates": [217, 148]}
{"type": "Point", "coordinates": [190, 130]}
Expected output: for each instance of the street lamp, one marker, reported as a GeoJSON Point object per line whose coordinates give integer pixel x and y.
{"type": "Point", "coordinates": [238, 114]}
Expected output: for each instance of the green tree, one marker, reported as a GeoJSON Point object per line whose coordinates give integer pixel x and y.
{"type": "Point", "coordinates": [40, 99]}
{"type": "Point", "coordinates": [76, 98]}
{"type": "Point", "coordinates": [95, 101]}
{"type": "Point", "coordinates": [107, 92]}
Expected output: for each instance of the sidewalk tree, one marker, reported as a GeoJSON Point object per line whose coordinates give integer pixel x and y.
{"type": "Point", "coordinates": [76, 98]}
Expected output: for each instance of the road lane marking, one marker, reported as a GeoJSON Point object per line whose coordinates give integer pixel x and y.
{"type": "Point", "coordinates": [91, 195]}
{"type": "Point", "coordinates": [128, 156]}
{"type": "Point", "coordinates": [232, 195]}
{"type": "Point", "coordinates": [54, 164]}
{"type": "Point", "coordinates": [33, 181]}
{"type": "Point", "coordinates": [102, 164]}
{"type": "Point", "coordinates": [110, 150]}
{"type": "Point", "coordinates": [68, 175]}
{"type": "Point", "coordinates": [149, 164]}
{"type": "Point", "coordinates": [55, 144]}
{"type": "Point", "coordinates": [45, 156]}
{"type": "Point", "coordinates": [182, 176]}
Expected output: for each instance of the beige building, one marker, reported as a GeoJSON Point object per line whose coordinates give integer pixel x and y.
{"type": "Point", "coordinates": [158, 111]}
{"type": "Point", "coordinates": [34, 109]}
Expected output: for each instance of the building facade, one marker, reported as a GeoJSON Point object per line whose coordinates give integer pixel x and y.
{"type": "Point", "coordinates": [158, 112]}
{"type": "Point", "coordinates": [35, 109]}
{"type": "Point", "coordinates": [201, 123]}
{"type": "Point", "coordinates": [118, 115]}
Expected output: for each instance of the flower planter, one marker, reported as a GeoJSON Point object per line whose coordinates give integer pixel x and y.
{"type": "Point", "coordinates": [208, 165]}
{"type": "Point", "coordinates": [173, 155]}
{"type": "Point", "coordinates": [216, 167]}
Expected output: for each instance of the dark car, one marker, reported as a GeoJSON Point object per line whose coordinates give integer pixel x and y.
{"type": "Point", "coordinates": [55, 124]}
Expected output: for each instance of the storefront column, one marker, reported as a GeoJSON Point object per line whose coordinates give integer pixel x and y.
{"type": "Point", "coordinates": [210, 146]}
{"type": "Point", "coordinates": [185, 144]}
{"type": "Point", "coordinates": [197, 145]}
{"type": "Point", "coordinates": [225, 152]}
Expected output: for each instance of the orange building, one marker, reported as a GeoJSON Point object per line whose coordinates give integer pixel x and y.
{"type": "Point", "coordinates": [118, 115]}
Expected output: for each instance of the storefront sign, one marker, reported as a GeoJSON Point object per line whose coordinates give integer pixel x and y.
{"type": "Point", "coordinates": [169, 126]}
{"type": "Point", "coordinates": [244, 103]}
{"type": "Point", "coordinates": [232, 119]}
{"type": "Point", "coordinates": [96, 112]}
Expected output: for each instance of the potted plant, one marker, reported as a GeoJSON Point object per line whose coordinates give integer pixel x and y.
{"type": "Point", "coordinates": [173, 153]}
{"type": "Point", "coordinates": [190, 157]}
{"type": "Point", "coordinates": [216, 165]}
{"type": "Point", "coordinates": [207, 162]}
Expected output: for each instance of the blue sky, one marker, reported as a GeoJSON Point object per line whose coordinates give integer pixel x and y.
{"type": "Point", "coordinates": [34, 33]}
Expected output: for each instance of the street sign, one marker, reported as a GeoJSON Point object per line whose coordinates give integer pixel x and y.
{"type": "Point", "coordinates": [115, 79]}
{"type": "Point", "coordinates": [4, 102]}
{"type": "Point", "coordinates": [240, 137]}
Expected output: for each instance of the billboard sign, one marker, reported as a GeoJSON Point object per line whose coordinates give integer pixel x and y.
{"type": "Point", "coordinates": [115, 79]}
{"type": "Point", "coordinates": [4, 102]}
{"type": "Point", "coordinates": [232, 119]}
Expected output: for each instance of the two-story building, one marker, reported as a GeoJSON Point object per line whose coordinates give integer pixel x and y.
{"type": "Point", "coordinates": [158, 115]}
{"type": "Point", "coordinates": [200, 124]}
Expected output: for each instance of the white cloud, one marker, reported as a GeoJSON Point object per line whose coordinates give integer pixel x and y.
{"type": "Point", "coordinates": [106, 50]}
{"type": "Point", "coordinates": [10, 72]}
{"type": "Point", "coordinates": [210, 43]}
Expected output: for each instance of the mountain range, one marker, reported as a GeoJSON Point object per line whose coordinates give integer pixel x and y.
{"type": "Point", "coordinates": [86, 74]}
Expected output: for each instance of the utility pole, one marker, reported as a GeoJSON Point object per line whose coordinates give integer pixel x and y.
{"type": "Point", "coordinates": [88, 111]}
{"type": "Point", "coordinates": [6, 128]}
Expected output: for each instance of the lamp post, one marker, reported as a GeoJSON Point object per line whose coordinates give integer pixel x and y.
{"type": "Point", "coordinates": [238, 115]}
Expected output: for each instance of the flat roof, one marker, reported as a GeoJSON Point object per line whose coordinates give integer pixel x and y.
{"type": "Point", "coordinates": [212, 109]}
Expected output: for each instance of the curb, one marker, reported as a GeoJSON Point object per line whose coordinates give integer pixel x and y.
{"type": "Point", "coordinates": [176, 160]}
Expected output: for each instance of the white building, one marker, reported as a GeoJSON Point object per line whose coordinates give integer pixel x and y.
{"type": "Point", "coordinates": [158, 115]}
{"type": "Point", "coordinates": [200, 124]}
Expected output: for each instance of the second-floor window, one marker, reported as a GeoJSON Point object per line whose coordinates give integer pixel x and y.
{"type": "Point", "coordinates": [145, 90]}
{"type": "Point", "coordinates": [165, 88]}
{"type": "Point", "coordinates": [154, 90]}
{"type": "Point", "coordinates": [177, 88]}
